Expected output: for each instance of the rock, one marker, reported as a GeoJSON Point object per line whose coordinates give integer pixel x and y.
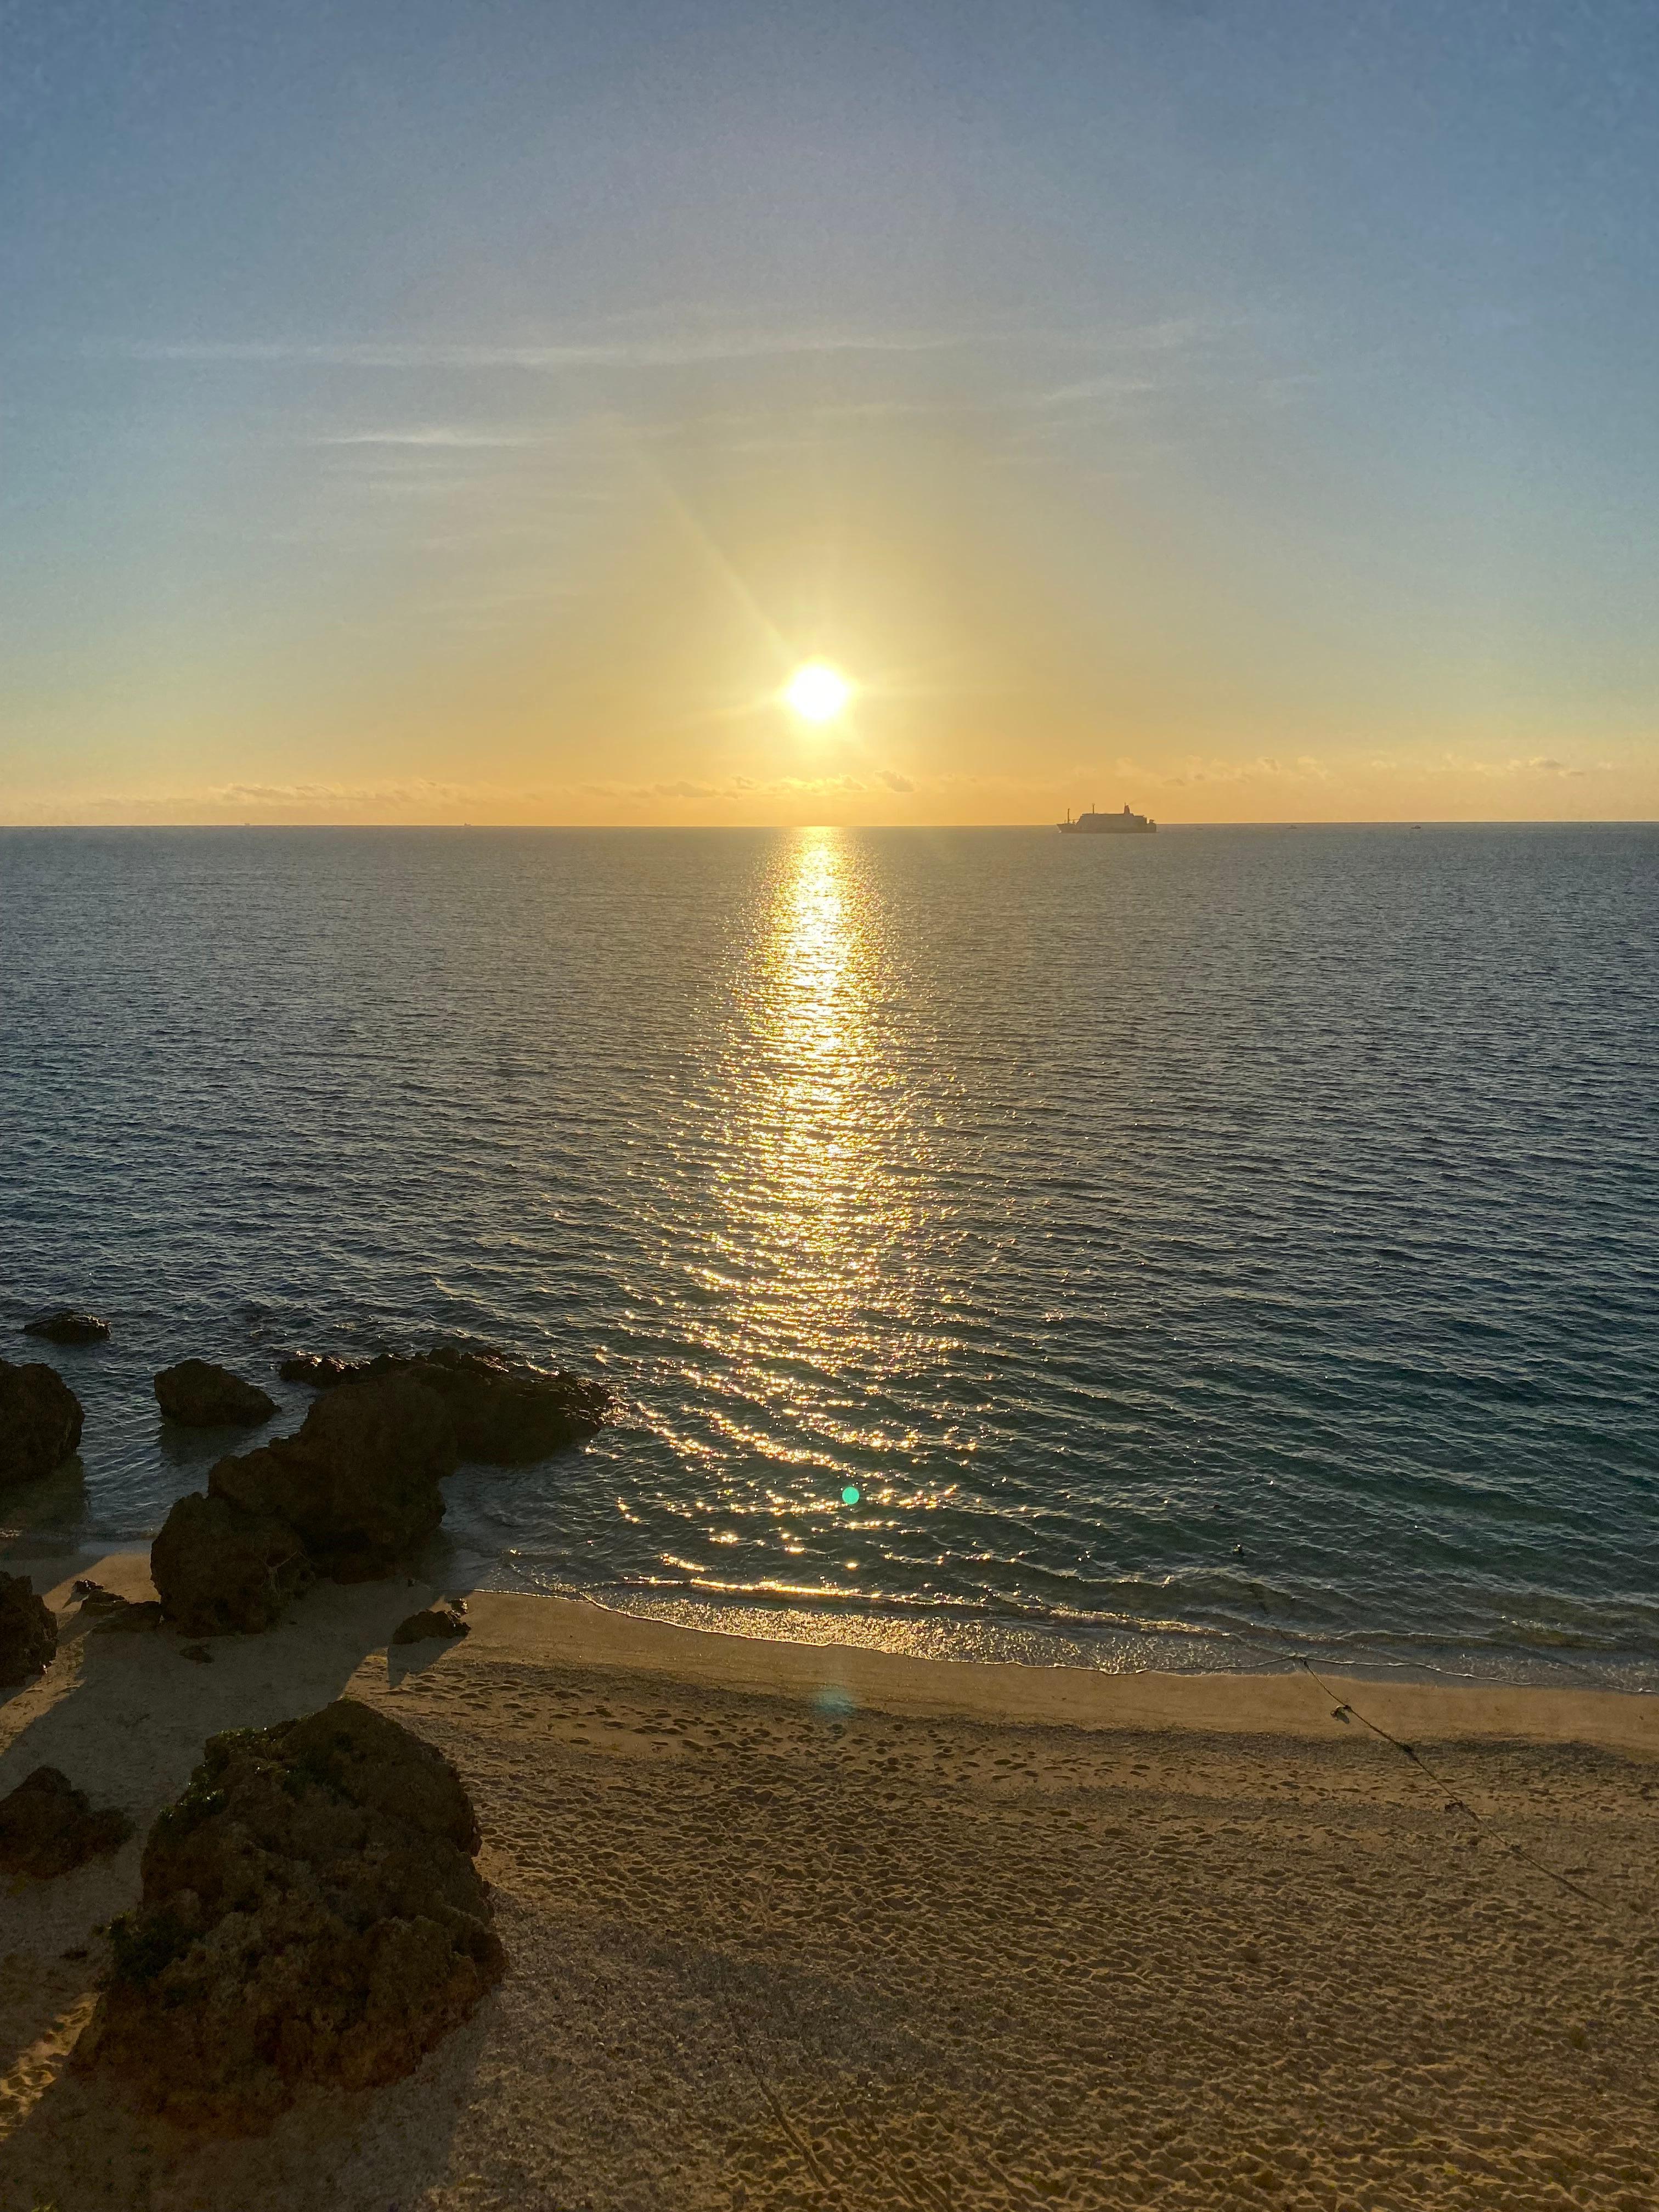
{"type": "Point", "coordinates": [359, 1482]}
{"type": "Point", "coordinates": [66, 1326]}
{"type": "Point", "coordinates": [203, 1396]}
{"type": "Point", "coordinates": [310, 1914]}
{"type": "Point", "coordinates": [130, 1620]}
{"type": "Point", "coordinates": [441, 1619]}
{"type": "Point", "coordinates": [39, 1422]}
{"type": "Point", "coordinates": [506, 1412]}
{"type": "Point", "coordinates": [220, 1568]}
{"type": "Point", "coordinates": [48, 1827]}
{"type": "Point", "coordinates": [321, 1371]}
{"type": "Point", "coordinates": [28, 1633]}
{"type": "Point", "coordinates": [109, 1611]}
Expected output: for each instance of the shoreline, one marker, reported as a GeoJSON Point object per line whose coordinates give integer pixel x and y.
{"type": "Point", "coordinates": [1298, 1701]}
{"type": "Point", "coordinates": [970, 1638]}
{"type": "Point", "coordinates": [792, 1925]}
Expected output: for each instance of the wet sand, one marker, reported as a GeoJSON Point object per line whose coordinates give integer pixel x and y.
{"type": "Point", "coordinates": [809, 1926]}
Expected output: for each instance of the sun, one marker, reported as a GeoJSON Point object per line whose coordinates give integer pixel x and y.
{"type": "Point", "coordinates": [817, 692]}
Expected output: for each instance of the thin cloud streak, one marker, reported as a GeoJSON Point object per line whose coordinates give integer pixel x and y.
{"type": "Point", "coordinates": [636, 353]}
{"type": "Point", "coordinates": [690, 349]}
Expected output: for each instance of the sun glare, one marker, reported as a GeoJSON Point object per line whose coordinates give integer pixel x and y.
{"type": "Point", "coordinates": [816, 692]}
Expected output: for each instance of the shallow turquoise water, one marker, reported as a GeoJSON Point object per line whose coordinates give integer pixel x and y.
{"type": "Point", "coordinates": [1203, 1249]}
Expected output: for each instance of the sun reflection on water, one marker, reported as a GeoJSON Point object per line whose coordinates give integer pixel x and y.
{"type": "Point", "coordinates": [806, 1250]}
{"type": "Point", "coordinates": [818, 1191]}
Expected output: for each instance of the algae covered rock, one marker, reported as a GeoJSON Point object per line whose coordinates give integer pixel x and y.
{"type": "Point", "coordinates": [359, 1483]}
{"type": "Point", "coordinates": [39, 1422]}
{"type": "Point", "coordinates": [200, 1395]}
{"type": "Point", "coordinates": [29, 1631]}
{"type": "Point", "coordinates": [49, 1827]}
{"type": "Point", "coordinates": [219, 1569]}
{"type": "Point", "coordinates": [310, 1915]}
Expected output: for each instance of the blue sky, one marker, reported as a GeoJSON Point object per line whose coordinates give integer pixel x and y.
{"type": "Point", "coordinates": [420, 413]}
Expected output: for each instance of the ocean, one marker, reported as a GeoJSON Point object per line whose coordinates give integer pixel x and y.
{"type": "Point", "coordinates": [1228, 1248]}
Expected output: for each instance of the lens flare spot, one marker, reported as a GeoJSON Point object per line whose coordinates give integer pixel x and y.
{"type": "Point", "coordinates": [850, 1495]}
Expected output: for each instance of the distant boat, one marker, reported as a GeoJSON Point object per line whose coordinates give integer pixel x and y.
{"type": "Point", "coordinates": [1107, 825]}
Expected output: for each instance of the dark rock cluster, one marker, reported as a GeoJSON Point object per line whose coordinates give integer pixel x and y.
{"type": "Point", "coordinates": [352, 1494]}
{"type": "Point", "coordinates": [310, 1913]}
{"type": "Point", "coordinates": [39, 1422]}
{"type": "Point", "coordinates": [66, 1325]}
{"type": "Point", "coordinates": [29, 1631]}
{"type": "Point", "coordinates": [200, 1395]}
{"type": "Point", "coordinates": [48, 1827]}
{"type": "Point", "coordinates": [505, 1413]}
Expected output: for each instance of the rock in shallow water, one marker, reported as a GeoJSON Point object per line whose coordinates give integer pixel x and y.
{"type": "Point", "coordinates": [203, 1396]}
{"type": "Point", "coordinates": [359, 1483]}
{"type": "Point", "coordinates": [39, 1422]}
{"type": "Point", "coordinates": [29, 1631]}
{"type": "Point", "coordinates": [310, 1915]}
{"type": "Point", "coordinates": [67, 1325]}
{"type": "Point", "coordinates": [321, 1370]}
{"type": "Point", "coordinates": [505, 1413]}
{"type": "Point", "coordinates": [48, 1826]}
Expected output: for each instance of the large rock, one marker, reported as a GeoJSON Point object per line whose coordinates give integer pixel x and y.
{"type": "Point", "coordinates": [66, 1325]}
{"type": "Point", "coordinates": [505, 1411]}
{"type": "Point", "coordinates": [310, 1915]}
{"type": "Point", "coordinates": [29, 1631]}
{"type": "Point", "coordinates": [48, 1826]}
{"type": "Point", "coordinates": [218, 1568]}
{"type": "Point", "coordinates": [39, 1422]}
{"type": "Point", "coordinates": [360, 1480]}
{"type": "Point", "coordinates": [203, 1396]}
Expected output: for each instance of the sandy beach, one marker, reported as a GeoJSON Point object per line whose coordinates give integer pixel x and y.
{"type": "Point", "coordinates": [802, 1925]}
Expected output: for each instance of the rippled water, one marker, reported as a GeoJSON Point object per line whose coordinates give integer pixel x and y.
{"type": "Point", "coordinates": [1197, 1248]}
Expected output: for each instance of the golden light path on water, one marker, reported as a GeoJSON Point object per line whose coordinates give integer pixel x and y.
{"type": "Point", "coordinates": [816, 1140]}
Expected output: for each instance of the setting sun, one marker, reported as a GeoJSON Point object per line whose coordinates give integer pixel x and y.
{"type": "Point", "coordinates": [816, 692]}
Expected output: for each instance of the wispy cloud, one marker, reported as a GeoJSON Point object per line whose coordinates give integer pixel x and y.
{"type": "Point", "coordinates": [1458, 764]}
{"type": "Point", "coordinates": [417, 792]}
{"type": "Point", "coordinates": [440, 437]}
{"type": "Point", "coordinates": [1537, 764]}
{"type": "Point", "coordinates": [1264, 767]}
{"type": "Point", "coordinates": [686, 350]}
{"type": "Point", "coordinates": [691, 347]}
{"type": "Point", "coordinates": [749, 787]}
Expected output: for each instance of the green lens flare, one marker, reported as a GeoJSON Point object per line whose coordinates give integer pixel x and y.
{"type": "Point", "coordinates": [850, 1495]}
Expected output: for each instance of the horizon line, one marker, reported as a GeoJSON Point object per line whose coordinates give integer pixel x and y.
{"type": "Point", "coordinates": [1217, 822]}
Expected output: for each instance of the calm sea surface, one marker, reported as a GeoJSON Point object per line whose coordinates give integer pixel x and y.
{"type": "Point", "coordinates": [1193, 1250]}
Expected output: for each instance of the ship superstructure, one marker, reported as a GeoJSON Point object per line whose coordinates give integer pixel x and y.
{"type": "Point", "coordinates": [1127, 825]}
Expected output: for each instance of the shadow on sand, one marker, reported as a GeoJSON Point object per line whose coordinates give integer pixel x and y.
{"type": "Point", "coordinates": [125, 1716]}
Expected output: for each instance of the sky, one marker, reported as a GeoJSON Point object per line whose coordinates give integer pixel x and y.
{"type": "Point", "coordinates": [1240, 409]}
